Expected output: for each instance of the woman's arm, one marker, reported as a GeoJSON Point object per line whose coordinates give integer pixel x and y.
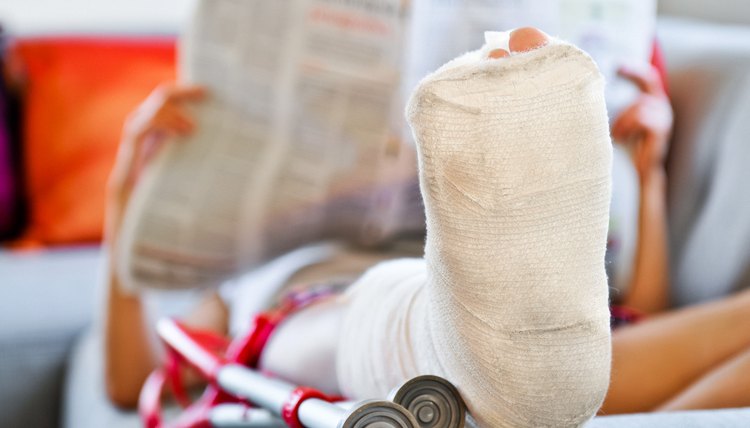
{"type": "Point", "coordinates": [130, 348]}
{"type": "Point", "coordinates": [649, 286]}
{"type": "Point", "coordinates": [647, 125]}
{"type": "Point", "coordinates": [129, 354]}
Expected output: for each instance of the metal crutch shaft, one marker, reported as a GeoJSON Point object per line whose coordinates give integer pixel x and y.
{"type": "Point", "coordinates": [274, 395]}
{"type": "Point", "coordinates": [236, 415]}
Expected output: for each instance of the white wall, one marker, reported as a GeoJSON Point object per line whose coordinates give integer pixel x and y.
{"type": "Point", "coordinates": [168, 16]}
{"type": "Point", "coordinates": [730, 11]}
{"type": "Point", "coordinates": [35, 17]}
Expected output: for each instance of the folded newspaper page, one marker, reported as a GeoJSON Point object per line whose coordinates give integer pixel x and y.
{"type": "Point", "coordinates": [613, 32]}
{"type": "Point", "coordinates": [295, 144]}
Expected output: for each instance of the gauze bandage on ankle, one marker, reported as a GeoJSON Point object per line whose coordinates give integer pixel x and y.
{"type": "Point", "coordinates": [510, 301]}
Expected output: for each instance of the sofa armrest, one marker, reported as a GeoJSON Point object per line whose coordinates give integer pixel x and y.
{"type": "Point", "coordinates": [709, 210]}
{"type": "Point", "coordinates": [46, 298]}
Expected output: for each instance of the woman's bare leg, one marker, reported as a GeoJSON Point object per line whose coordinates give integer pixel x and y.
{"type": "Point", "coordinates": [727, 386]}
{"type": "Point", "coordinates": [658, 359]}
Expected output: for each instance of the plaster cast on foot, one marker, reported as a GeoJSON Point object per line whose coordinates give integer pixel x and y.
{"type": "Point", "coordinates": [510, 301]}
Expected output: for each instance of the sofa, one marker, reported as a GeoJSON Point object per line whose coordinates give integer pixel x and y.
{"type": "Point", "coordinates": [50, 366]}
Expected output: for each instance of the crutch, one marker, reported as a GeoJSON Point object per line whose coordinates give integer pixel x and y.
{"type": "Point", "coordinates": [426, 401]}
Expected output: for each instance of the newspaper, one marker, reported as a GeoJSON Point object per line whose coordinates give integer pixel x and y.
{"type": "Point", "coordinates": [294, 145]}
{"type": "Point", "coordinates": [303, 137]}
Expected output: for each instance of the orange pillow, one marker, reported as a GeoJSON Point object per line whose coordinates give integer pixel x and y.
{"type": "Point", "coordinates": [78, 93]}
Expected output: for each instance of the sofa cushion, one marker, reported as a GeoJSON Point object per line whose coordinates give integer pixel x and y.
{"type": "Point", "coordinates": [727, 418]}
{"type": "Point", "coordinates": [79, 91]}
{"type": "Point", "coordinates": [85, 405]}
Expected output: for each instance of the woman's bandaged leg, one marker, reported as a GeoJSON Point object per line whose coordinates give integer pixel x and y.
{"type": "Point", "coordinates": [510, 301]}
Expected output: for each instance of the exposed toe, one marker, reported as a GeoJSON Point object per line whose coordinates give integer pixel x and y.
{"type": "Point", "coordinates": [498, 53]}
{"type": "Point", "coordinates": [526, 39]}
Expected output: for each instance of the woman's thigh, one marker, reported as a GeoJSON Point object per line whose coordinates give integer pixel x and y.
{"type": "Point", "coordinates": [658, 358]}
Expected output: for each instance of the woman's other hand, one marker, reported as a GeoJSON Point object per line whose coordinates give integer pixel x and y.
{"type": "Point", "coordinates": [647, 123]}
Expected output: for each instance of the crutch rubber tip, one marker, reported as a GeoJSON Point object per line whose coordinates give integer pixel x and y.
{"type": "Point", "coordinates": [378, 414]}
{"type": "Point", "coordinates": [434, 402]}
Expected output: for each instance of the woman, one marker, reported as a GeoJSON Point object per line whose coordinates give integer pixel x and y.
{"type": "Point", "coordinates": [692, 358]}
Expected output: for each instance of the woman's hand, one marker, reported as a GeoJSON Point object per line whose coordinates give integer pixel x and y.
{"type": "Point", "coordinates": [647, 123]}
{"type": "Point", "coordinates": [162, 115]}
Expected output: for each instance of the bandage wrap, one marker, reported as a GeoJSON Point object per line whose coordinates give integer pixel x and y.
{"type": "Point", "coordinates": [510, 302]}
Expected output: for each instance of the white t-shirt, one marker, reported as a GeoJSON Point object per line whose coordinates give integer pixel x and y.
{"type": "Point", "coordinates": [316, 263]}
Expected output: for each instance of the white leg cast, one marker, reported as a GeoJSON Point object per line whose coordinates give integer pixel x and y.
{"type": "Point", "coordinates": [510, 302]}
